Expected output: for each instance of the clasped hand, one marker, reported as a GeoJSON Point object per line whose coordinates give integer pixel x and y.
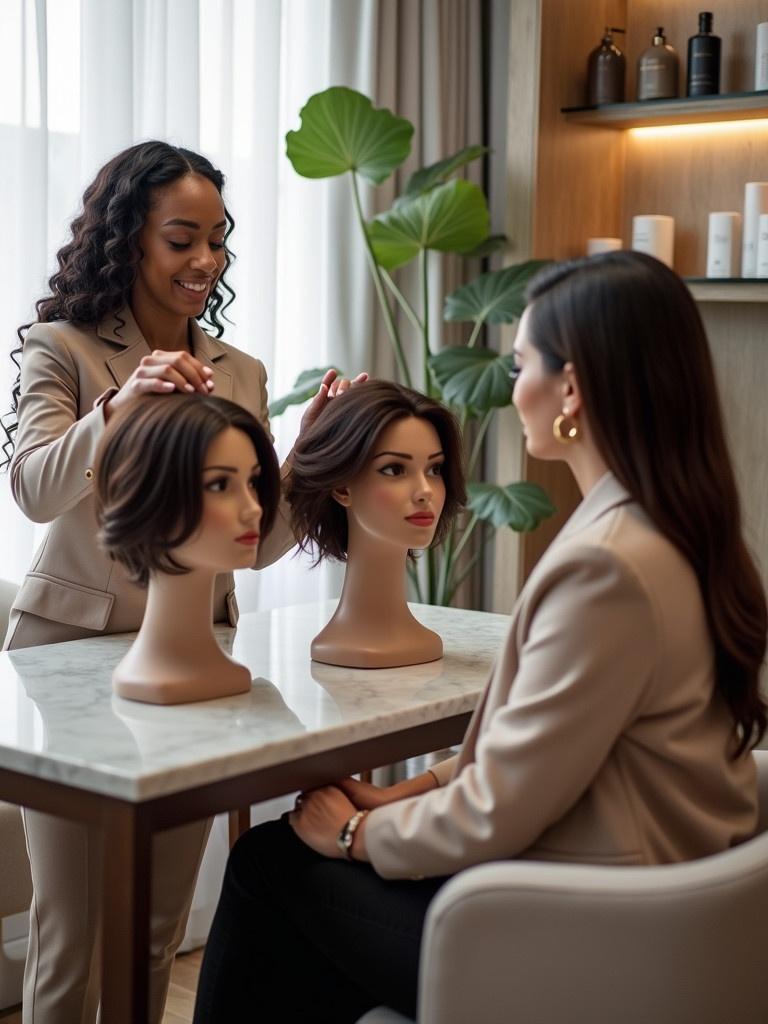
{"type": "Point", "coordinates": [321, 813]}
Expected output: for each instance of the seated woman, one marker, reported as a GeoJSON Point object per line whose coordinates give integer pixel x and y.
{"type": "Point", "coordinates": [186, 486]}
{"type": "Point", "coordinates": [375, 477]}
{"type": "Point", "coordinates": [617, 725]}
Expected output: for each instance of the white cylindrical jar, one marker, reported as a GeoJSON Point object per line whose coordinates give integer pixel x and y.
{"type": "Point", "coordinates": [761, 56]}
{"type": "Point", "coordinates": [762, 245]}
{"type": "Point", "coordinates": [724, 244]}
{"type": "Point", "coordinates": [654, 234]}
{"type": "Point", "coordinates": [755, 203]}
{"type": "Point", "coordinates": [603, 244]}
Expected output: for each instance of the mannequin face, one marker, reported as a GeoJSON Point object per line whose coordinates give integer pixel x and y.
{"type": "Point", "coordinates": [540, 396]}
{"type": "Point", "coordinates": [228, 535]}
{"type": "Point", "coordinates": [183, 245]}
{"type": "Point", "coordinates": [399, 496]}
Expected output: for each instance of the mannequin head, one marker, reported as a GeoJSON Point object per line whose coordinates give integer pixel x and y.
{"type": "Point", "coordinates": [382, 459]}
{"type": "Point", "coordinates": [184, 482]}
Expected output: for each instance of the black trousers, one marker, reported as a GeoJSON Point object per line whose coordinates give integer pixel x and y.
{"type": "Point", "coordinates": [301, 938]}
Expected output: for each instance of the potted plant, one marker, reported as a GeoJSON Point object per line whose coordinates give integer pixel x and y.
{"type": "Point", "coordinates": [342, 133]}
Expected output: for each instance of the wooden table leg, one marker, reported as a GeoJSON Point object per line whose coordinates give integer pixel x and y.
{"type": "Point", "coordinates": [125, 915]}
{"type": "Point", "coordinates": [239, 822]}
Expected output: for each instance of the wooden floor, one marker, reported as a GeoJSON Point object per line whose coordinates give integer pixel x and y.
{"type": "Point", "coordinates": [181, 995]}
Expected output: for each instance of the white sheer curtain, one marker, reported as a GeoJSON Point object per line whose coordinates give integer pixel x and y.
{"type": "Point", "coordinates": [82, 79]}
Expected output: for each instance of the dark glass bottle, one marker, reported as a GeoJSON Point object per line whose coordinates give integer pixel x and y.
{"type": "Point", "coordinates": [606, 71]}
{"type": "Point", "coordinates": [703, 77]}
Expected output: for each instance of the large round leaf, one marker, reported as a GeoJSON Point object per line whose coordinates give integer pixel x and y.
{"type": "Point", "coordinates": [497, 297]}
{"type": "Point", "coordinates": [305, 386]}
{"type": "Point", "coordinates": [341, 131]}
{"type": "Point", "coordinates": [521, 506]}
{"type": "Point", "coordinates": [477, 378]}
{"type": "Point", "coordinates": [451, 218]}
{"type": "Point", "coordinates": [427, 177]}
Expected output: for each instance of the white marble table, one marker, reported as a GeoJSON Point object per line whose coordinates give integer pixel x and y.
{"type": "Point", "coordinates": [69, 747]}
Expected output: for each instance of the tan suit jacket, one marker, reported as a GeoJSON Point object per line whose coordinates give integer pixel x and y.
{"type": "Point", "coordinates": [65, 369]}
{"type": "Point", "coordinates": [599, 737]}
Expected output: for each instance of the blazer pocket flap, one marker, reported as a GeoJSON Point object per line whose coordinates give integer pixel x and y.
{"type": "Point", "coordinates": [56, 599]}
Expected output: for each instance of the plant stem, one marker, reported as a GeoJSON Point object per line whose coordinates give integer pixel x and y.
{"type": "Point", "coordinates": [485, 422]}
{"type": "Point", "coordinates": [379, 285]}
{"type": "Point", "coordinates": [425, 320]}
{"type": "Point", "coordinates": [405, 305]}
{"type": "Point", "coordinates": [413, 576]}
{"type": "Point", "coordinates": [446, 565]}
{"type": "Point", "coordinates": [466, 571]}
{"type": "Point", "coordinates": [431, 576]}
{"type": "Point", "coordinates": [475, 333]}
{"type": "Point", "coordinates": [465, 538]}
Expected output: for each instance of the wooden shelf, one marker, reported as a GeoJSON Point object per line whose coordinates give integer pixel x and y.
{"type": "Point", "coordinates": [733, 289]}
{"type": "Point", "coordinates": [734, 106]}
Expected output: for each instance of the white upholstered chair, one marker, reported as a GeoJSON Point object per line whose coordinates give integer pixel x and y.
{"type": "Point", "coordinates": [519, 942]}
{"type": "Point", "coordinates": [15, 881]}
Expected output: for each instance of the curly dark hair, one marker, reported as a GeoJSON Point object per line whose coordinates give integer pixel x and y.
{"type": "Point", "coordinates": [339, 445]}
{"type": "Point", "coordinates": [147, 507]}
{"type": "Point", "coordinates": [97, 268]}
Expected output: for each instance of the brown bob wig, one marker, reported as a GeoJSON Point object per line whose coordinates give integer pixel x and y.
{"type": "Point", "coordinates": [149, 473]}
{"type": "Point", "coordinates": [342, 441]}
{"type": "Point", "coordinates": [633, 333]}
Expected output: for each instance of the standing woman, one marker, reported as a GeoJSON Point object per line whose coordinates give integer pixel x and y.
{"type": "Point", "coordinates": [146, 262]}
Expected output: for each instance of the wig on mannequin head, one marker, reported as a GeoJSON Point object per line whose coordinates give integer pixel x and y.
{"type": "Point", "coordinates": [342, 441]}
{"type": "Point", "coordinates": [97, 267]}
{"type": "Point", "coordinates": [149, 477]}
{"type": "Point", "coordinates": [632, 331]}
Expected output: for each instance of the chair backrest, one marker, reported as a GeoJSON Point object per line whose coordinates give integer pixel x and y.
{"type": "Point", "coordinates": [530, 942]}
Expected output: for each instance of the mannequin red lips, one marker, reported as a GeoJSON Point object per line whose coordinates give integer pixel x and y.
{"type": "Point", "coordinates": [421, 518]}
{"type": "Point", "coordinates": [248, 538]}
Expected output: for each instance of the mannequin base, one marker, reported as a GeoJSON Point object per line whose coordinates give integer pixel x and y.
{"type": "Point", "coordinates": [427, 647]}
{"type": "Point", "coordinates": [227, 680]}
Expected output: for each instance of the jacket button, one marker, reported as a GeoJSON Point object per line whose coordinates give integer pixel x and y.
{"type": "Point", "coordinates": [89, 474]}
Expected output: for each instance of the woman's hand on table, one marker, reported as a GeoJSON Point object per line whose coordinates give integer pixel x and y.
{"type": "Point", "coordinates": [160, 373]}
{"type": "Point", "coordinates": [332, 386]}
{"type": "Point", "coordinates": [318, 817]}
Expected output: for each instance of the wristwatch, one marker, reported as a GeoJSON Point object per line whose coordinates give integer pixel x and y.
{"type": "Point", "coordinates": [347, 834]}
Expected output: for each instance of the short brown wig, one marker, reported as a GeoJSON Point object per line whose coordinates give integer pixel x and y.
{"type": "Point", "coordinates": [339, 445]}
{"type": "Point", "coordinates": [149, 472]}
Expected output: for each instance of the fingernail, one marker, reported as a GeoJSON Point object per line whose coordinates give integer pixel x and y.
{"type": "Point", "coordinates": [207, 371]}
{"type": "Point", "coordinates": [209, 384]}
{"type": "Point", "coordinates": [188, 387]}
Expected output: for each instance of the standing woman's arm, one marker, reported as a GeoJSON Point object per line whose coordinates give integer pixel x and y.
{"type": "Point", "coordinates": [52, 464]}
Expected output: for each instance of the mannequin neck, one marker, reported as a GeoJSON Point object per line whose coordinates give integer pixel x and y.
{"type": "Point", "coordinates": [374, 580]}
{"type": "Point", "coordinates": [179, 611]}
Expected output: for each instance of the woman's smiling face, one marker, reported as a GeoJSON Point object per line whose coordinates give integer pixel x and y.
{"type": "Point", "coordinates": [182, 242]}
{"type": "Point", "coordinates": [399, 496]}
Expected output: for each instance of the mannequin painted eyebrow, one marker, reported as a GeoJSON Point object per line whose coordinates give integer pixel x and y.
{"type": "Point", "coordinates": [181, 223]}
{"type": "Point", "coordinates": [229, 469]}
{"type": "Point", "coordinates": [403, 455]}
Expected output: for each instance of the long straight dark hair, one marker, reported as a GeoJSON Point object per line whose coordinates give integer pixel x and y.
{"type": "Point", "coordinates": [636, 341]}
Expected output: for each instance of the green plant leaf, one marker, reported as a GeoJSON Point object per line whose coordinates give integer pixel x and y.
{"type": "Point", "coordinates": [473, 378]}
{"type": "Point", "coordinates": [520, 506]}
{"type": "Point", "coordinates": [342, 131]}
{"type": "Point", "coordinates": [304, 388]}
{"type": "Point", "coordinates": [497, 297]}
{"type": "Point", "coordinates": [426, 178]}
{"type": "Point", "coordinates": [451, 218]}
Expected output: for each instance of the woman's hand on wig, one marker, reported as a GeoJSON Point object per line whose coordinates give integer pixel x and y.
{"type": "Point", "coordinates": [319, 816]}
{"type": "Point", "coordinates": [332, 386]}
{"type": "Point", "coordinates": [162, 372]}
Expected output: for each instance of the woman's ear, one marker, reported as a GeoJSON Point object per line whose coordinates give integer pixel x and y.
{"type": "Point", "coordinates": [571, 390]}
{"type": "Point", "coordinates": [342, 495]}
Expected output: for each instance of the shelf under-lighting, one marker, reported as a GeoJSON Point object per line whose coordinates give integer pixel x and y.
{"type": "Point", "coordinates": [728, 289]}
{"type": "Point", "coordinates": [735, 106]}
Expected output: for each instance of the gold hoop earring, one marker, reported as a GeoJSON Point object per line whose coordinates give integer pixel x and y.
{"type": "Point", "coordinates": [565, 429]}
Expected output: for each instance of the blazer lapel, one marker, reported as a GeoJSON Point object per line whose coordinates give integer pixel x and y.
{"type": "Point", "coordinates": [209, 351]}
{"type": "Point", "coordinates": [121, 329]}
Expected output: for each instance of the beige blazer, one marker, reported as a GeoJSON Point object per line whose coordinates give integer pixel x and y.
{"type": "Point", "coordinates": [599, 737]}
{"type": "Point", "coordinates": [65, 369]}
